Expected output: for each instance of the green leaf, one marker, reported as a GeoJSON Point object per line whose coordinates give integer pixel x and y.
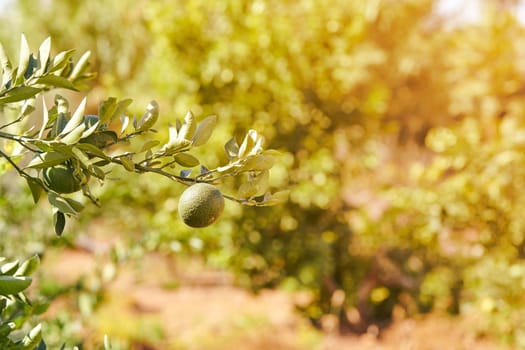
{"type": "Point", "coordinates": [12, 285]}
{"type": "Point", "coordinates": [9, 268]}
{"type": "Point", "coordinates": [204, 131]}
{"type": "Point", "coordinates": [81, 156]}
{"type": "Point", "coordinates": [6, 66]}
{"type": "Point", "coordinates": [56, 81]}
{"type": "Point", "coordinates": [5, 327]}
{"type": "Point", "coordinates": [74, 204]}
{"type": "Point", "coordinates": [90, 131]}
{"type": "Point", "coordinates": [102, 139]}
{"type": "Point", "coordinates": [48, 159]}
{"type": "Point", "coordinates": [81, 66]}
{"type": "Point", "coordinates": [99, 173]}
{"type": "Point", "coordinates": [60, 204]}
{"type": "Point", "coordinates": [60, 61]}
{"type": "Point", "coordinates": [36, 189]}
{"type": "Point", "coordinates": [106, 109]}
{"type": "Point", "coordinates": [122, 106]}
{"type": "Point", "coordinates": [124, 123]}
{"type": "Point", "coordinates": [59, 222]}
{"type": "Point", "coordinates": [150, 117]}
{"type": "Point", "coordinates": [255, 186]}
{"type": "Point", "coordinates": [19, 93]}
{"type": "Point", "coordinates": [90, 148]}
{"type": "Point", "coordinates": [44, 146]}
{"type": "Point", "coordinates": [172, 129]}
{"type": "Point", "coordinates": [251, 144]}
{"type": "Point", "coordinates": [28, 107]}
{"type": "Point", "coordinates": [186, 160]}
{"type": "Point", "coordinates": [58, 124]}
{"type": "Point", "coordinates": [277, 198]}
{"type": "Point", "coordinates": [187, 130]}
{"type": "Point", "coordinates": [176, 146]}
{"type": "Point", "coordinates": [232, 149]}
{"type": "Point", "coordinates": [259, 162]}
{"type": "Point", "coordinates": [31, 67]}
{"type": "Point", "coordinates": [32, 339]}
{"type": "Point", "coordinates": [23, 60]}
{"type": "Point", "coordinates": [74, 136]}
{"type": "Point", "coordinates": [128, 164]}
{"type": "Point", "coordinates": [149, 145]}
{"type": "Point", "coordinates": [76, 119]}
{"type": "Point", "coordinates": [81, 82]}
{"type": "Point", "coordinates": [44, 52]}
{"type": "Point", "coordinates": [29, 266]}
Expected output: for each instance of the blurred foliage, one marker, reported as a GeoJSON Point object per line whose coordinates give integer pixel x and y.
{"type": "Point", "coordinates": [401, 136]}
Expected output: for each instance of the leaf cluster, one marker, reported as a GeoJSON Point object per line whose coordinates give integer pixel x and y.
{"type": "Point", "coordinates": [14, 279]}
{"type": "Point", "coordinates": [87, 144]}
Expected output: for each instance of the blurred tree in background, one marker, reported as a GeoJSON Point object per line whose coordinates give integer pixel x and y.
{"type": "Point", "coordinates": [401, 136]}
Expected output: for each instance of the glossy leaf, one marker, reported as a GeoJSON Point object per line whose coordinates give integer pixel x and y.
{"type": "Point", "coordinates": [204, 131]}
{"type": "Point", "coordinates": [35, 188]}
{"type": "Point", "coordinates": [74, 204]}
{"type": "Point", "coordinates": [90, 148]}
{"type": "Point", "coordinates": [5, 65]}
{"type": "Point", "coordinates": [19, 93]}
{"type": "Point", "coordinates": [76, 119]}
{"type": "Point", "coordinates": [186, 160]}
{"type": "Point", "coordinates": [12, 285]}
{"type": "Point", "coordinates": [74, 136]}
{"type": "Point", "coordinates": [24, 56]}
{"type": "Point", "coordinates": [187, 130]}
{"type": "Point", "coordinates": [48, 159]}
{"type": "Point", "coordinates": [128, 164]}
{"type": "Point", "coordinates": [102, 139]}
{"type": "Point", "coordinates": [28, 267]}
{"type": "Point", "coordinates": [232, 149]}
{"type": "Point", "coordinates": [255, 186]}
{"type": "Point", "coordinates": [60, 204]}
{"type": "Point", "coordinates": [81, 65]}
{"type": "Point", "coordinates": [9, 268]}
{"type": "Point", "coordinates": [106, 109]}
{"type": "Point", "coordinates": [149, 145]}
{"type": "Point", "coordinates": [150, 117]}
{"type": "Point", "coordinates": [56, 81]}
{"type": "Point", "coordinates": [59, 222]}
{"type": "Point", "coordinates": [44, 52]}
{"type": "Point", "coordinates": [120, 109]}
{"type": "Point", "coordinates": [33, 338]}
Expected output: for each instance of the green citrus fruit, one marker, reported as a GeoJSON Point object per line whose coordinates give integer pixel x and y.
{"type": "Point", "coordinates": [200, 205]}
{"type": "Point", "coordinates": [61, 179]}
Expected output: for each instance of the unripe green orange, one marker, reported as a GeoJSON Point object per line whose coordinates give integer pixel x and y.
{"type": "Point", "coordinates": [200, 205]}
{"type": "Point", "coordinates": [61, 179]}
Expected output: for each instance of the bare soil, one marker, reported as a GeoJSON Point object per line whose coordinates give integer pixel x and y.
{"type": "Point", "coordinates": [155, 304]}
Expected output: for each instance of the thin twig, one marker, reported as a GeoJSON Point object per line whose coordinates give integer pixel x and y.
{"type": "Point", "coordinates": [17, 168]}
{"type": "Point", "coordinates": [18, 120]}
{"type": "Point", "coordinates": [20, 139]}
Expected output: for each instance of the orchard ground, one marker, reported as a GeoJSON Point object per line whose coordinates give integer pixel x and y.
{"type": "Point", "coordinates": [184, 305]}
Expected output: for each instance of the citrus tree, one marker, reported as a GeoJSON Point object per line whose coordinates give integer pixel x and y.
{"type": "Point", "coordinates": [62, 153]}
{"type": "Point", "coordinates": [376, 106]}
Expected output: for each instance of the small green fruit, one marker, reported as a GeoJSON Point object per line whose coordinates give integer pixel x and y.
{"type": "Point", "coordinates": [61, 179]}
{"type": "Point", "coordinates": [200, 205]}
